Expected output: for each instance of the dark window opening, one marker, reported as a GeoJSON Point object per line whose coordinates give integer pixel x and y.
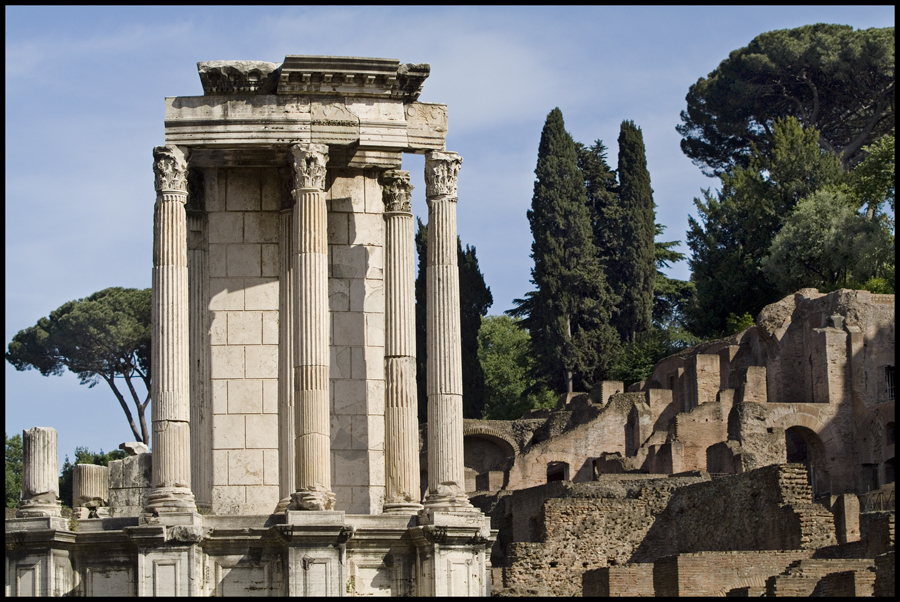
{"type": "Point", "coordinates": [889, 378]}
{"type": "Point", "coordinates": [869, 477]}
{"type": "Point", "coordinates": [557, 471]}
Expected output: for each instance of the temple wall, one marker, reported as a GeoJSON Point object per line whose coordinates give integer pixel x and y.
{"type": "Point", "coordinates": [244, 206]}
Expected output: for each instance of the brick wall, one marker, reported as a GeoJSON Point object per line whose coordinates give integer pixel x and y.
{"type": "Point", "coordinates": [766, 509]}
{"type": "Point", "coordinates": [632, 580]}
{"type": "Point", "coordinates": [717, 573]}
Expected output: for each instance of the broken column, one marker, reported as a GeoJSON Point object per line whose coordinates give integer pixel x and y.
{"type": "Point", "coordinates": [311, 330]}
{"type": "Point", "coordinates": [90, 489]}
{"type": "Point", "coordinates": [170, 382]}
{"type": "Point", "coordinates": [401, 444]}
{"type": "Point", "coordinates": [446, 472]}
{"type": "Point", "coordinates": [40, 474]}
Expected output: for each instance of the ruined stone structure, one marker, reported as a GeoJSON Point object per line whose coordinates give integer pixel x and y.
{"type": "Point", "coordinates": [285, 445]}
{"type": "Point", "coordinates": [812, 383]}
{"type": "Point", "coordinates": [807, 392]}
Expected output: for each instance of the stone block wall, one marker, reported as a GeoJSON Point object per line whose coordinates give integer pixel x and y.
{"type": "Point", "coordinates": [356, 301]}
{"type": "Point", "coordinates": [243, 231]}
{"type": "Point", "coordinates": [243, 209]}
{"type": "Point", "coordinates": [129, 482]}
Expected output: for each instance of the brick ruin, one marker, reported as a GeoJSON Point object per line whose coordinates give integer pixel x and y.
{"type": "Point", "coordinates": [770, 452]}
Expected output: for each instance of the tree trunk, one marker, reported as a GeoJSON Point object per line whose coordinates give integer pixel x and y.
{"type": "Point", "coordinates": [112, 385]}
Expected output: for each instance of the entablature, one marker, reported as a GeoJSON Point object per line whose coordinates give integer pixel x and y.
{"type": "Point", "coordinates": [339, 101]}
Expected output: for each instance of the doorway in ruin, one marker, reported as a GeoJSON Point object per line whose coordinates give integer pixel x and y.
{"type": "Point", "coordinates": [557, 471]}
{"type": "Point", "coordinates": [805, 447]}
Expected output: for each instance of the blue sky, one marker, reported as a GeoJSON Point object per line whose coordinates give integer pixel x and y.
{"type": "Point", "coordinates": [84, 108]}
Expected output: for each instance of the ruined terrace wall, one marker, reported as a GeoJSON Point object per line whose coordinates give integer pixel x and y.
{"type": "Point", "coordinates": [766, 509]}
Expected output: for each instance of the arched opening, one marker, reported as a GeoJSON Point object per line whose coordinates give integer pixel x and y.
{"type": "Point", "coordinates": [805, 447]}
{"type": "Point", "coordinates": [487, 459]}
{"type": "Point", "coordinates": [557, 471]}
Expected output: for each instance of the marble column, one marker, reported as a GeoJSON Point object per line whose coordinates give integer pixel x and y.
{"type": "Point", "coordinates": [286, 456]}
{"type": "Point", "coordinates": [311, 329]}
{"type": "Point", "coordinates": [401, 426]}
{"type": "Point", "coordinates": [40, 474]}
{"type": "Point", "coordinates": [90, 487]}
{"type": "Point", "coordinates": [170, 380]}
{"type": "Point", "coordinates": [446, 471]}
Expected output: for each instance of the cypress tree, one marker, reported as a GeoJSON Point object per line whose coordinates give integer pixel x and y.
{"type": "Point", "coordinates": [634, 271]}
{"type": "Point", "coordinates": [474, 300]}
{"type": "Point", "coordinates": [421, 341]}
{"type": "Point", "coordinates": [602, 199]}
{"type": "Point", "coordinates": [568, 315]}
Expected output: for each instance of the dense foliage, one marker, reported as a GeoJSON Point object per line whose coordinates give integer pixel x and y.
{"type": "Point", "coordinates": [504, 351]}
{"type": "Point", "coordinates": [13, 469]}
{"type": "Point", "coordinates": [831, 78]}
{"type": "Point", "coordinates": [737, 225]}
{"type": "Point", "coordinates": [105, 336]}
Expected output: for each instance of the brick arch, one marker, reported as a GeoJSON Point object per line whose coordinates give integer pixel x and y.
{"type": "Point", "coordinates": [823, 431]}
{"type": "Point", "coordinates": [492, 434]}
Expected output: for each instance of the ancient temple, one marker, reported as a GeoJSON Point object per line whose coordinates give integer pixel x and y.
{"type": "Point", "coordinates": [285, 457]}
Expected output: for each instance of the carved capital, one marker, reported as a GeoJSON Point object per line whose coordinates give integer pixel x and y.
{"type": "Point", "coordinates": [441, 171]}
{"type": "Point", "coordinates": [170, 169]}
{"type": "Point", "coordinates": [396, 191]}
{"type": "Point", "coordinates": [308, 162]}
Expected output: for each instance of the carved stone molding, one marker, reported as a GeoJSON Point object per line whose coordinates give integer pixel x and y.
{"type": "Point", "coordinates": [238, 77]}
{"type": "Point", "coordinates": [170, 169]}
{"type": "Point", "coordinates": [441, 172]}
{"type": "Point", "coordinates": [308, 162]}
{"type": "Point", "coordinates": [397, 191]}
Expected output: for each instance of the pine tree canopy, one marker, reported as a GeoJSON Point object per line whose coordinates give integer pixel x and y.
{"type": "Point", "coordinates": [830, 77]}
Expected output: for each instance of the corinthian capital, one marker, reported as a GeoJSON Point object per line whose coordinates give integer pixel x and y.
{"type": "Point", "coordinates": [308, 162]}
{"type": "Point", "coordinates": [396, 191]}
{"type": "Point", "coordinates": [441, 170]}
{"type": "Point", "coordinates": [170, 169]}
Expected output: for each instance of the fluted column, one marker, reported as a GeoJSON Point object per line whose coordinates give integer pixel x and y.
{"type": "Point", "coordinates": [170, 354]}
{"type": "Point", "coordinates": [200, 404]}
{"type": "Point", "coordinates": [40, 474]}
{"type": "Point", "coordinates": [311, 352]}
{"type": "Point", "coordinates": [286, 456]}
{"type": "Point", "coordinates": [401, 428]}
{"type": "Point", "coordinates": [90, 486]}
{"type": "Point", "coordinates": [446, 472]}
